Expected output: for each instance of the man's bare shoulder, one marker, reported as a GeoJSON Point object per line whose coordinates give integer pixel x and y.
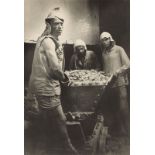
{"type": "Point", "coordinates": [48, 43]}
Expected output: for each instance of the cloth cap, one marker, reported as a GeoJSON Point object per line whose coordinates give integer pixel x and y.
{"type": "Point", "coordinates": [79, 42]}
{"type": "Point", "coordinates": [106, 35]}
{"type": "Point", "coordinates": [55, 14]}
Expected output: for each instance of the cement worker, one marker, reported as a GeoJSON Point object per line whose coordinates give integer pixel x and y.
{"type": "Point", "coordinates": [83, 58]}
{"type": "Point", "coordinates": [47, 74]}
{"type": "Point", "coordinates": [115, 61]}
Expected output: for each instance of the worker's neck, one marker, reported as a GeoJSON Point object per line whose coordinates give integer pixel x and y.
{"type": "Point", "coordinates": [55, 36]}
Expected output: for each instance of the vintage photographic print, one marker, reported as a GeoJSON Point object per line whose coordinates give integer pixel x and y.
{"type": "Point", "coordinates": [76, 77]}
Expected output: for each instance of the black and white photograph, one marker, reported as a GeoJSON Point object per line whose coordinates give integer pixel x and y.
{"type": "Point", "coordinates": [76, 77]}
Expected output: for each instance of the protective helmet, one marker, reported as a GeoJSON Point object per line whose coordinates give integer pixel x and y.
{"type": "Point", "coordinates": [106, 35]}
{"type": "Point", "coordinates": [79, 42]}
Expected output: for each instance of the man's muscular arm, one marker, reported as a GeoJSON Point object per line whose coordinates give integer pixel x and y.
{"type": "Point", "coordinates": [55, 68]}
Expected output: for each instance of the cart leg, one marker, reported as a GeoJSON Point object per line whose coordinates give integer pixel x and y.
{"type": "Point", "coordinates": [102, 141]}
{"type": "Point", "coordinates": [96, 145]}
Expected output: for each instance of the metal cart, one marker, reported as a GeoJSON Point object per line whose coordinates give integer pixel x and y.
{"type": "Point", "coordinates": [86, 126]}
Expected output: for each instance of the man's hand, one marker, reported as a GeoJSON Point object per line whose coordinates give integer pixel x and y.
{"type": "Point", "coordinates": [121, 71]}
{"type": "Point", "coordinates": [66, 81]}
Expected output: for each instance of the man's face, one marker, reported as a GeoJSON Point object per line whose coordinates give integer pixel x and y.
{"type": "Point", "coordinates": [105, 42]}
{"type": "Point", "coordinates": [80, 50]}
{"type": "Point", "coordinates": [57, 27]}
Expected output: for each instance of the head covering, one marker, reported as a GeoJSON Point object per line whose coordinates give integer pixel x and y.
{"type": "Point", "coordinates": [79, 42]}
{"type": "Point", "coordinates": [106, 35]}
{"type": "Point", "coordinates": [53, 15]}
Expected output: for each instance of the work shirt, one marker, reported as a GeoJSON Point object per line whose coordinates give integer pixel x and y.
{"type": "Point", "coordinates": [89, 61]}
{"type": "Point", "coordinates": [41, 81]}
{"type": "Point", "coordinates": [114, 59]}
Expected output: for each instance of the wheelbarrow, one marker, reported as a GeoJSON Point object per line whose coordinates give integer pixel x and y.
{"type": "Point", "coordinates": [86, 126]}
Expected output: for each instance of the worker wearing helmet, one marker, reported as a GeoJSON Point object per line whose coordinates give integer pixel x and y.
{"type": "Point", "coordinates": [83, 58]}
{"type": "Point", "coordinates": [47, 74]}
{"type": "Point", "coordinates": [115, 61]}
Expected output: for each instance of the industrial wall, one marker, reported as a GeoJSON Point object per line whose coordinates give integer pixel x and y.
{"type": "Point", "coordinates": [81, 19]}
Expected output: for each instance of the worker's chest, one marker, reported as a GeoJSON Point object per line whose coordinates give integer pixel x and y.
{"type": "Point", "coordinates": [59, 53]}
{"type": "Point", "coordinates": [111, 57]}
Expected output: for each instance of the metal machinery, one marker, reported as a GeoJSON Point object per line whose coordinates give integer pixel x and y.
{"type": "Point", "coordinates": [85, 125]}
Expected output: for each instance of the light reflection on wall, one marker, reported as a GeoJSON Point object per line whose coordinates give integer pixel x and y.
{"type": "Point", "coordinates": [81, 19]}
